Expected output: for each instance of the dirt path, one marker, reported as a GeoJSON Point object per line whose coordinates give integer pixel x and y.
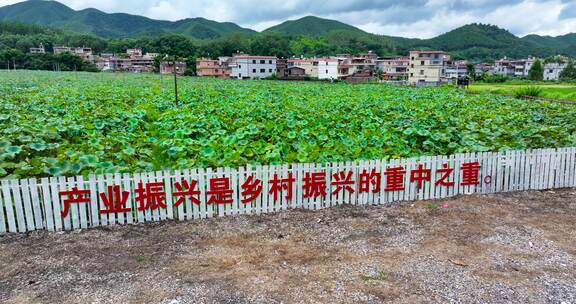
{"type": "Point", "coordinates": [507, 248]}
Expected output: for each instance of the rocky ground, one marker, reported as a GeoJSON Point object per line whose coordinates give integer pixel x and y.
{"type": "Point", "coordinates": [505, 248]}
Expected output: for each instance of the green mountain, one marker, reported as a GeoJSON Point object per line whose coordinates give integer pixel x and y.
{"type": "Point", "coordinates": [312, 26]}
{"type": "Point", "coordinates": [310, 36]}
{"type": "Point", "coordinates": [95, 22]}
{"type": "Point", "coordinates": [561, 44]}
{"type": "Point", "coordinates": [481, 41]}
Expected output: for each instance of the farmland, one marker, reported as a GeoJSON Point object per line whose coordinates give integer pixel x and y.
{"type": "Point", "coordinates": [76, 123]}
{"type": "Point", "coordinates": [563, 91]}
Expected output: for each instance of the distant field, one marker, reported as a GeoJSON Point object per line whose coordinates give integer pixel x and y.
{"type": "Point", "coordinates": [565, 91]}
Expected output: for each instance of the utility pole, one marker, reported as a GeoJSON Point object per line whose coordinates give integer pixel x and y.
{"type": "Point", "coordinates": [175, 82]}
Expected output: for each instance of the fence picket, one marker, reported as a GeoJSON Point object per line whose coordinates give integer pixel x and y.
{"type": "Point", "coordinates": [36, 203]}
{"type": "Point", "coordinates": [73, 207]}
{"type": "Point", "coordinates": [2, 217]}
{"type": "Point", "coordinates": [48, 216]}
{"type": "Point", "coordinates": [191, 208]}
{"type": "Point", "coordinates": [63, 186]}
{"type": "Point", "coordinates": [27, 204]}
{"type": "Point", "coordinates": [8, 207]}
{"type": "Point", "coordinates": [572, 167]}
{"type": "Point", "coordinates": [140, 215]}
{"type": "Point", "coordinates": [202, 187]}
{"type": "Point", "coordinates": [17, 201]}
{"type": "Point", "coordinates": [126, 184]}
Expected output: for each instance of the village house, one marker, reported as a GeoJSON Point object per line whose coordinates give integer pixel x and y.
{"type": "Point", "coordinates": [113, 64]}
{"type": "Point", "coordinates": [522, 66]}
{"type": "Point", "coordinates": [38, 50]}
{"type": "Point", "coordinates": [309, 65]}
{"type": "Point", "coordinates": [513, 68]}
{"type": "Point", "coordinates": [83, 52]}
{"type": "Point", "coordinates": [553, 70]}
{"type": "Point", "coordinates": [252, 67]}
{"type": "Point", "coordinates": [206, 67]}
{"type": "Point", "coordinates": [357, 68]}
{"type": "Point", "coordinates": [427, 67]}
{"type": "Point", "coordinates": [484, 68]}
{"type": "Point", "coordinates": [284, 72]}
{"type": "Point", "coordinates": [393, 68]}
{"type": "Point", "coordinates": [504, 67]}
{"type": "Point", "coordinates": [327, 68]}
{"type": "Point", "coordinates": [134, 61]}
{"type": "Point", "coordinates": [456, 69]}
{"type": "Point", "coordinates": [168, 66]}
{"type": "Point", "coordinates": [134, 52]}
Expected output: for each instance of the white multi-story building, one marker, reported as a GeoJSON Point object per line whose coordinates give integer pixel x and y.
{"type": "Point", "coordinates": [504, 67]}
{"type": "Point", "coordinates": [522, 67]}
{"type": "Point", "coordinates": [519, 68]}
{"type": "Point", "coordinates": [134, 52]}
{"type": "Point", "coordinates": [252, 67]}
{"type": "Point", "coordinates": [327, 68]}
{"type": "Point", "coordinates": [553, 70]}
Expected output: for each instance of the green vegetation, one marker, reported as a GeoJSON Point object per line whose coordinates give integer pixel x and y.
{"type": "Point", "coordinates": [555, 90]}
{"type": "Point", "coordinates": [98, 23]}
{"type": "Point", "coordinates": [532, 91]}
{"type": "Point", "coordinates": [312, 26]}
{"type": "Point", "coordinates": [569, 73]}
{"type": "Point", "coordinates": [380, 276]}
{"type": "Point", "coordinates": [536, 72]}
{"type": "Point", "coordinates": [308, 36]}
{"type": "Point", "coordinates": [75, 123]}
{"type": "Point", "coordinates": [432, 207]}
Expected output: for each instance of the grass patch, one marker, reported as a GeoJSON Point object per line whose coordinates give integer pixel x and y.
{"type": "Point", "coordinates": [380, 276]}
{"type": "Point", "coordinates": [555, 90]}
{"type": "Point", "coordinates": [531, 91]}
{"type": "Point", "coordinates": [432, 208]}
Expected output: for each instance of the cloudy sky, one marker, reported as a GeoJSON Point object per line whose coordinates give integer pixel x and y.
{"type": "Point", "coordinates": [408, 18]}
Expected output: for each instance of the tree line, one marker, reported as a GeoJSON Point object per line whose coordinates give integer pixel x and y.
{"type": "Point", "coordinates": [16, 39]}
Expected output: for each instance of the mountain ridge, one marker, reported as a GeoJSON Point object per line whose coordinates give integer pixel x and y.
{"type": "Point", "coordinates": [472, 41]}
{"type": "Point", "coordinates": [112, 25]}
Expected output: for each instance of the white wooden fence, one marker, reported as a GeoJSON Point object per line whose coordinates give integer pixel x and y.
{"type": "Point", "coordinates": [31, 204]}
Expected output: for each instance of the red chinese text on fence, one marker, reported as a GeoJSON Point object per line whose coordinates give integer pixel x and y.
{"type": "Point", "coordinates": [152, 196]}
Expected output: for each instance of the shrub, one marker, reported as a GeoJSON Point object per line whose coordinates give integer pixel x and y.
{"type": "Point", "coordinates": [532, 91]}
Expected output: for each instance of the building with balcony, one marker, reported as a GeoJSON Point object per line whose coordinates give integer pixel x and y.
{"type": "Point", "coordinates": [456, 69]}
{"type": "Point", "coordinates": [38, 50]}
{"type": "Point", "coordinates": [83, 52]}
{"type": "Point", "coordinates": [393, 68]}
{"type": "Point", "coordinates": [522, 66]}
{"type": "Point", "coordinates": [206, 67]}
{"type": "Point", "coordinates": [427, 67]}
{"type": "Point", "coordinates": [134, 61]}
{"type": "Point", "coordinates": [169, 66]}
{"type": "Point", "coordinates": [360, 68]}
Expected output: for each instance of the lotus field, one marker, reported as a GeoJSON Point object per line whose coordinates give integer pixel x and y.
{"type": "Point", "coordinates": [80, 123]}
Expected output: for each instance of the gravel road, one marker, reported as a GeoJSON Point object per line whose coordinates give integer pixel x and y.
{"type": "Point", "coordinates": [505, 248]}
